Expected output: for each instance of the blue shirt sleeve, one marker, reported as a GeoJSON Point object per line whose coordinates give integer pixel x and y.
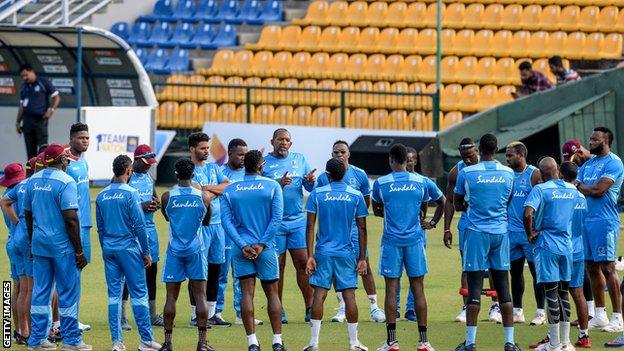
{"type": "Point", "coordinates": [433, 192]}
{"type": "Point", "coordinates": [227, 221]}
{"type": "Point", "coordinates": [220, 175]}
{"type": "Point", "coordinates": [613, 170]}
{"type": "Point", "coordinates": [277, 212]}
{"type": "Point", "coordinates": [361, 210]}
{"type": "Point", "coordinates": [50, 89]}
{"type": "Point", "coordinates": [101, 224]}
{"type": "Point", "coordinates": [322, 179]}
{"type": "Point", "coordinates": [311, 204]}
{"type": "Point", "coordinates": [365, 189]}
{"type": "Point", "coordinates": [460, 184]}
{"type": "Point", "coordinates": [376, 194]}
{"type": "Point", "coordinates": [69, 197]}
{"type": "Point", "coordinates": [534, 200]}
{"type": "Point", "coordinates": [138, 222]}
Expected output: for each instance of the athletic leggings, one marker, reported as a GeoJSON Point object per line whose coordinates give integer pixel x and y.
{"type": "Point", "coordinates": [150, 277]}
{"type": "Point", "coordinates": [517, 284]}
{"type": "Point", "coordinates": [212, 286]}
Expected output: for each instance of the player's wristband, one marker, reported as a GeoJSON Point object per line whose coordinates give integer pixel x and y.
{"type": "Point", "coordinates": [433, 223]}
{"type": "Point", "coordinates": [447, 230]}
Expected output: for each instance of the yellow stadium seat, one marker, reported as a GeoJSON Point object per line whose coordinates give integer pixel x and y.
{"type": "Point", "coordinates": [207, 112]}
{"type": "Point", "coordinates": [337, 13]}
{"type": "Point", "coordinates": [511, 17]}
{"type": "Point", "coordinates": [399, 101]}
{"type": "Point", "coordinates": [356, 13]}
{"type": "Point", "coordinates": [388, 41]}
{"type": "Point", "coordinates": [466, 69]}
{"type": "Point", "coordinates": [392, 68]}
{"type": "Point", "coordinates": [358, 118]}
{"type": "Point", "coordinates": [288, 95]}
{"type": "Point", "coordinates": [416, 15]}
{"type": "Point", "coordinates": [172, 92]}
{"type": "Point", "coordinates": [241, 64]}
{"type": "Point", "coordinates": [473, 16]}
{"type": "Point", "coordinates": [549, 18]}
{"type": "Point", "coordinates": [538, 44]}
{"type": "Point", "coordinates": [309, 39]}
{"type": "Point", "coordinates": [485, 71]}
{"type": "Point", "coordinates": [502, 43]}
{"type": "Point", "coordinates": [329, 41]}
{"type": "Point", "coordinates": [620, 22]}
{"type": "Point", "coordinates": [283, 115]}
{"type": "Point", "coordinates": [453, 15]}
{"type": "Point", "coordinates": [269, 37]}
{"type": "Point", "coordinates": [321, 117]}
{"type": "Point", "coordinates": [289, 39]}
{"type": "Point", "coordinates": [492, 16]}
{"type": "Point", "coordinates": [448, 69]}
{"type": "Point", "coordinates": [407, 41]}
{"type": "Point", "coordinates": [263, 114]}
{"type": "Point", "coordinates": [427, 71]}
{"type": "Point", "coordinates": [226, 113]}
{"type": "Point", "coordinates": [359, 98]}
{"type": "Point", "coordinates": [378, 119]}
{"type": "Point", "coordinates": [506, 71]}
{"type": "Point", "coordinates": [213, 94]}
{"type": "Point", "coordinates": [482, 43]}
{"type": "Point", "coordinates": [430, 19]}
{"type": "Point", "coordinates": [374, 67]}
{"type": "Point", "coordinates": [344, 85]}
{"type": "Point", "coordinates": [448, 41]}
{"type": "Point", "coordinates": [574, 44]}
{"type": "Point", "coordinates": [426, 43]}
{"type": "Point", "coordinates": [318, 65]}
{"type": "Point", "coordinates": [356, 66]}
{"type": "Point", "coordinates": [308, 96]}
{"type": "Point", "coordinates": [588, 18]}
{"type": "Point", "coordinates": [607, 19]}
{"type": "Point", "coordinates": [262, 95]}
{"type": "Point", "coordinates": [261, 64]}
{"type": "Point", "coordinates": [463, 42]}
{"type": "Point", "coordinates": [569, 19]}
{"type": "Point", "coordinates": [301, 115]}
{"type": "Point", "coordinates": [593, 46]}
{"type": "Point", "coordinates": [316, 14]}
{"type": "Point", "coordinates": [398, 120]}
{"type": "Point", "coordinates": [417, 121]}
{"type": "Point", "coordinates": [520, 44]}
{"type": "Point", "coordinates": [240, 116]}
{"type": "Point", "coordinates": [612, 47]}
{"type": "Point", "coordinates": [194, 92]}
{"type": "Point", "coordinates": [348, 39]}
{"type": "Point", "coordinates": [486, 97]}
{"type": "Point", "coordinates": [236, 93]}
{"type": "Point", "coordinates": [530, 18]}
{"type": "Point", "coordinates": [556, 42]}
{"type": "Point", "coordinates": [221, 62]}
{"type": "Point", "coordinates": [337, 67]}
{"type": "Point", "coordinates": [541, 65]}
{"type": "Point", "coordinates": [369, 37]}
{"type": "Point", "coordinates": [450, 119]}
{"type": "Point", "coordinates": [381, 100]}
{"type": "Point", "coordinates": [299, 65]}
{"type": "Point", "coordinates": [504, 94]}
{"type": "Point", "coordinates": [376, 14]}
{"type": "Point", "coordinates": [468, 98]}
{"type": "Point", "coordinates": [280, 63]}
{"type": "Point", "coordinates": [253, 82]}
{"type": "Point", "coordinates": [395, 17]}
{"type": "Point", "coordinates": [167, 112]}
{"type": "Point", "coordinates": [337, 118]}
{"type": "Point", "coordinates": [411, 68]}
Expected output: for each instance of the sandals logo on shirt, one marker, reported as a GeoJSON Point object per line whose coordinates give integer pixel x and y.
{"type": "Point", "coordinates": [117, 143]}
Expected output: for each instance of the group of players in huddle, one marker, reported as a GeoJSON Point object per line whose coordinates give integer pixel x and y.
{"type": "Point", "coordinates": [562, 219]}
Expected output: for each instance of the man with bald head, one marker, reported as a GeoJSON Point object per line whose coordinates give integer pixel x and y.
{"type": "Point", "coordinates": [548, 213]}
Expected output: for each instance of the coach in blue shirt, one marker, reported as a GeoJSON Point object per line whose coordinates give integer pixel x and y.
{"type": "Point", "coordinates": [35, 109]}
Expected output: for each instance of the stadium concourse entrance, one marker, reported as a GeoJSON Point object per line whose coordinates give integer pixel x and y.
{"type": "Point", "coordinates": [112, 82]}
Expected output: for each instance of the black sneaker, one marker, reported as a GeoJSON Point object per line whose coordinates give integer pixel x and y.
{"type": "Point", "coordinates": [205, 347]}
{"type": "Point", "coordinates": [463, 347]}
{"type": "Point", "coordinates": [512, 347]}
{"type": "Point", "coordinates": [193, 322]}
{"type": "Point", "coordinates": [219, 322]}
{"type": "Point", "coordinates": [158, 321]}
{"type": "Point", "coordinates": [278, 347]}
{"type": "Point", "coordinates": [253, 347]}
{"type": "Point", "coordinates": [167, 346]}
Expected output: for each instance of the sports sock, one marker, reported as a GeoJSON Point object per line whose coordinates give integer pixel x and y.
{"type": "Point", "coordinates": [509, 334]}
{"type": "Point", "coordinates": [422, 332]}
{"type": "Point", "coordinates": [372, 300]}
{"type": "Point", "coordinates": [471, 335]}
{"type": "Point", "coordinates": [212, 308]}
{"type": "Point", "coordinates": [391, 331]}
{"type": "Point", "coordinates": [583, 332]}
{"type": "Point", "coordinates": [315, 330]}
{"type": "Point", "coordinates": [591, 308]}
{"type": "Point", "coordinates": [353, 333]}
{"type": "Point", "coordinates": [193, 313]}
{"type": "Point", "coordinates": [341, 302]}
{"type": "Point", "coordinates": [616, 316]}
{"type": "Point", "coordinates": [553, 334]}
{"type": "Point", "coordinates": [564, 332]}
{"type": "Point", "coordinates": [252, 340]}
{"type": "Point", "coordinates": [277, 339]}
{"type": "Point", "coordinates": [601, 312]}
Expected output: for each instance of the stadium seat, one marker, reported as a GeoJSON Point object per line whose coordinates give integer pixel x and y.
{"type": "Point", "coordinates": [207, 112]}
{"type": "Point", "coordinates": [450, 119]}
{"type": "Point", "coordinates": [485, 71]}
{"type": "Point", "coordinates": [309, 95]}
{"type": "Point", "coordinates": [378, 119]}
{"type": "Point", "coordinates": [550, 18]}
{"type": "Point", "coordinates": [468, 98]}
{"type": "Point", "coordinates": [502, 43]}
{"type": "Point", "coordinates": [241, 64]}
{"type": "Point", "coordinates": [482, 43]}
{"type": "Point", "coordinates": [511, 17]}
{"type": "Point", "coordinates": [396, 101]}
{"type": "Point", "coordinates": [398, 120]}
{"type": "Point", "coordinates": [430, 19]}
{"type": "Point", "coordinates": [453, 15]}
{"type": "Point", "coordinates": [140, 34]}
{"type": "Point", "coordinates": [356, 67]}
{"type": "Point", "coordinates": [263, 114]}
{"type": "Point", "coordinates": [226, 113]}
{"type": "Point", "coordinates": [348, 39]}
{"type": "Point", "coordinates": [337, 67]}
{"type": "Point", "coordinates": [345, 86]}
{"type": "Point", "coordinates": [588, 19]}
{"type": "Point", "coordinates": [187, 115]}
{"type": "Point", "coordinates": [376, 14]}
{"type": "Point", "coordinates": [463, 42]}
{"type": "Point", "coordinates": [269, 37]}
{"type": "Point", "coordinates": [620, 22]}
{"type": "Point", "coordinates": [299, 65]}
{"type": "Point", "coordinates": [318, 65]}
{"type": "Point", "coordinates": [222, 62]}
{"type": "Point", "coordinates": [301, 115]}
{"type": "Point", "coordinates": [289, 39]}
{"type": "Point", "coordinates": [506, 71]}
{"type": "Point", "coordinates": [157, 61]}
{"type": "Point", "coordinates": [407, 41]}
{"type": "Point", "coordinates": [426, 43]}
{"type": "Point", "coordinates": [287, 95]}
{"type": "Point", "coordinates": [309, 39]}
{"type": "Point", "coordinates": [411, 68]}
{"type": "Point", "coordinates": [184, 10]}
{"type": "Point", "coordinates": [380, 100]}
{"type": "Point", "coordinates": [474, 16]}
{"type": "Point", "coordinates": [249, 11]}
{"type": "Point", "coordinates": [161, 33]}
{"type": "Point", "coordinates": [427, 71]}
{"type": "Point", "coordinates": [121, 29]}
{"type": "Point", "coordinates": [520, 44]}
{"type": "Point", "coordinates": [530, 18]}
{"type": "Point", "coordinates": [593, 46]}
{"type": "Point", "coordinates": [234, 92]}
{"type": "Point", "coordinates": [358, 118]}
{"type": "Point", "coordinates": [538, 44]}
{"type": "Point", "coordinates": [330, 39]}
{"type": "Point", "coordinates": [574, 44]}
{"type": "Point", "coordinates": [271, 12]}
{"type": "Point", "coordinates": [415, 15]}
{"type": "Point", "coordinates": [388, 41]}
{"type": "Point", "coordinates": [163, 11]}
{"type": "Point", "coordinates": [179, 61]}
{"type": "Point", "coordinates": [369, 37]}
{"type": "Point", "coordinates": [448, 39]}
{"type": "Point", "coordinates": [541, 65]}
{"type": "Point", "coordinates": [316, 14]}
{"type": "Point", "coordinates": [280, 63]}
{"type": "Point", "coordinates": [396, 15]}
{"type": "Point", "coordinates": [466, 70]}
{"type": "Point", "coordinates": [612, 47]}
{"type": "Point", "coordinates": [326, 97]}
{"type": "Point", "coordinates": [337, 13]}
{"type": "Point", "coordinates": [556, 43]}
{"type": "Point", "coordinates": [207, 11]}
{"type": "Point", "coordinates": [486, 97]}
{"type": "Point", "coordinates": [321, 117]}
{"type": "Point", "coordinates": [261, 64]}
{"type": "Point", "coordinates": [569, 19]}
{"type": "Point", "coordinates": [171, 91]}
{"type": "Point", "coordinates": [504, 94]}
{"type": "Point", "coordinates": [492, 16]}
{"type": "Point", "coordinates": [419, 121]}
{"type": "Point", "coordinates": [214, 93]}
{"type": "Point", "coordinates": [182, 36]}
{"type": "Point", "coordinates": [195, 93]}
{"type": "Point", "coordinates": [356, 13]}
{"type": "Point", "coordinates": [204, 35]}
{"type": "Point", "coordinates": [142, 54]}
{"type": "Point", "coordinates": [607, 19]}
{"type": "Point", "coordinates": [225, 36]}
{"type": "Point", "coordinates": [392, 68]}
{"type": "Point", "coordinates": [283, 115]}
{"type": "Point", "coordinates": [167, 112]}
{"type": "Point", "coordinates": [229, 10]}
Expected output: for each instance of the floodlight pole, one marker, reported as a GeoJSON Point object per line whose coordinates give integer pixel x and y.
{"type": "Point", "coordinates": [436, 98]}
{"type": "Point", "coordinates": [79, 75]}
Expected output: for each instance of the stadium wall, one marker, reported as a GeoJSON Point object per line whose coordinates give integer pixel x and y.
{"type": "Point", "coordinates": [124, 11]}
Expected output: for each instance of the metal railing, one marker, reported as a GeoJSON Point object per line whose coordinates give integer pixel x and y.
{"type": "Point", "coordinates": [56, 12]}
{"type": "Point", "coordinates": [348, 107]}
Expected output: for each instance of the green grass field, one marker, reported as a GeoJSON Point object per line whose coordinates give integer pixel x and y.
{"type": "Point", "coordinates": [441, 289]}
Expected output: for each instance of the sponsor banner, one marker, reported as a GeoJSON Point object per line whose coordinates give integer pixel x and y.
{"type": "Point", "coordinates": [315, 143]}
{"type": "Point", "coordinates": [114, 131]}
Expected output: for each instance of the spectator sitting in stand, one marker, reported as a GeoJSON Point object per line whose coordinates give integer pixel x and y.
{"type": "Point", "coordinates": [563, 75]}
{"type": "Point", "coordinates": [532, 81]}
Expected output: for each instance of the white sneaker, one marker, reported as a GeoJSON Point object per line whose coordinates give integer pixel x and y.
{"type": "Point", "coordinates": [598, 322]}
{"type": "Point", "coordinates": [425, 346]}
{"type": "Point", "coordinates": [340, 316]}
{"type": "Point", "coordinates": [461, 317]}
{"type": "Point", "coordinates": [549, 347]}
{"type": "Point", "coordinates": [149, 346]}
{"type": "Point", "coordinates": [495, 314]}
{"type": "Point", "coordinates": [118, 346]}
{"type": "Point", "coordinates": [394, 346]}
{"type": "Point", "coordinates": [311, 348]}
{"type": "Point", "coordinates": [84, 327]}
{"type": "Point", "coordinates": [619, 264]}
{"type": "Point", "coordinates": [615, 326]}
{"type": "Point", "coordinates": [518, 315]}
{"type": "Point", "coordinates": [239, 321]}
{"type": "Point", "coordinates": [540, 319]}
{"type": "Point", "coordinates": [377, 316]}
{"type": "Point", "coordinates": [80, 347]}
{"type": "Point", "coordinates": [568, 347]}
{"type": "Point", "coordinates": [45, 345]}
{"type": "Point", "coordinates": [358, 347]}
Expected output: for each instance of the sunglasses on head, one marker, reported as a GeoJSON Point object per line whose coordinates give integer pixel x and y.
{"type": "Point", "coordinates": [147, 155]}
{"type": "Point", "coordinates": [466, 147]}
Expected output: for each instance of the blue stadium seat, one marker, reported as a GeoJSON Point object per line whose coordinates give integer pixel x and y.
{"type": "Point", "coordinates": [121, 29]}
{"type": "Point", "coordinates": [163, 11]}
{"type": "Point", "coordinates": [157, 61]}
{"type": "Point", "coordinates": [185, 10]}
{"type": "Point", "coordinates": [206, 11]}
{"type": "Point", "coordinates": [251, 10]}
{"type": "Point", "coordinates": [229, 10]}
{"type": "Point", "coordinates": [204, 35]}
{"type": "Point", "coordinates": [182, 36]}
{"type": "Point", "coordinates": [140, 34]}
{"type": "Point", "coordinates": [226, 36]}
{"type": "Point", "coordinates": [273, 11]}
{"type": "Point", "coordinates": [179, 61]}
{"type": "Point", "coordinates": [141, 54]}
{"type": "Point", "coordinates": [161, 33]}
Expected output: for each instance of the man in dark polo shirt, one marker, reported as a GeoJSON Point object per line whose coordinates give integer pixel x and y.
{"type": "Point", "coordinates": [38, 101]}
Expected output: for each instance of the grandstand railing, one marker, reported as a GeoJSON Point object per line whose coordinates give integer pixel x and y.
{"type": "Point", "coordinates": [416, 109]}
{"type": "Point", "coordinates": [57, 12]}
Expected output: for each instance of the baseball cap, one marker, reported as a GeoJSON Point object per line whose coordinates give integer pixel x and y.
{"type": "Point", "coordinates": [13, 174]}
{"type": "Point", "coordinates": [570, 148]}
{"type": "Point", "coordinates": [145, 152]}
{"type": "Point", "coordinates": [30, 165]}
{"type": "Point", "coordinates": [53, 152]}
{"type": "Point", "coordinates": [41, 162]}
